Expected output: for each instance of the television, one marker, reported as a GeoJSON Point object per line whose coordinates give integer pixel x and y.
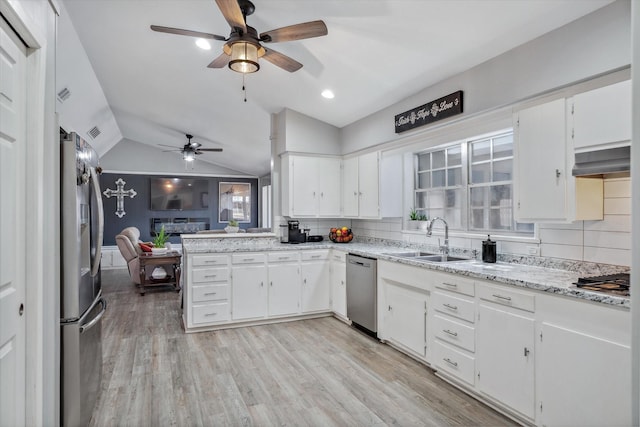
{"type": "Point", "coordinates": [179, 194]}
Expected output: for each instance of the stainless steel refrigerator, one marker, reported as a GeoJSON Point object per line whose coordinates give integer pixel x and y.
{"type": "Point", "coordinates": [81, 303]}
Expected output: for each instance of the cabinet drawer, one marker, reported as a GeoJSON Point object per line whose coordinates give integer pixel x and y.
{"type": "Point", "coordinates": [454, 333]}
{"type": "Point", "coordinates": [211, 313]}
{"type": "Point", "coordinates": [339, 256]}
{"type": "Point", "coordinates": [248, 258]}
{"type": "Point", "coordinates": [209, 260]}
{"type": "Point", "coordinates": [455, 284]}
{"type": "Point", "coordinates": [210, 293]}
{"type": "Point", "coordinates": [282, 256]}
{"type": "Point", "coordinates": [210, 275]}
{"type": "Point", "coordinates": [314, 255]}
{"type": "Point", "coordinates": [508, 297]}
{"type": "Point", "coordinates": [454, 306]}
{"type": "Point", "coordinates": [454, 362]}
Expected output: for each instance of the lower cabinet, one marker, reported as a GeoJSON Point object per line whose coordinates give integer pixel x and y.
{"type": "Point", "coordinates": [584, 362]}
{"type": "Point", "coordinates": [505, 358]}
{"type": "Point", "coordinates": [338, 284]}
{"type": "Point", "coordinates": [406, 318]}
{"type": "Point", "coordinates": [249, 296]}
{"type": "Point", "coordinates": [207, 290]}
{"type": "Point", "coordinates": [284, 289]}
{"type": "Point", "coordinates": [316, 286]}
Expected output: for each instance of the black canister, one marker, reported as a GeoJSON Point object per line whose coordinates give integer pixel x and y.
{"type": "Point", "coordinates": [489, 252]}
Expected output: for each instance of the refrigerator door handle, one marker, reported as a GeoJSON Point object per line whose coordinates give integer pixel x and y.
{"type": "Point", "coordinates": [96, 319]}
{"type": "Point", "coordinates": [96, 191]}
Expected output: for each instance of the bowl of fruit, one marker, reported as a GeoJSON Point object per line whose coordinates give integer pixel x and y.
{"type": "Point", "coordinates": [340, 235]}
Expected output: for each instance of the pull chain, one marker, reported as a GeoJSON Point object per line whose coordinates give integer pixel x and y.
{"type": "Point", "coordinates": [244, 88]}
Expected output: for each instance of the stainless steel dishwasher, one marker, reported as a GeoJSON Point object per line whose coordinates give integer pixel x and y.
{"type": "Point", "coordinates": [362, 292]}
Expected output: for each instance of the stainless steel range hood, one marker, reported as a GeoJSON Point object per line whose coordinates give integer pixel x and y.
{"type": "Point", "coordinates": [602, 161]}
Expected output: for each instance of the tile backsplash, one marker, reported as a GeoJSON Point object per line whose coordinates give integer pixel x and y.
{"type": "Point", "coordinates": [607, 241]}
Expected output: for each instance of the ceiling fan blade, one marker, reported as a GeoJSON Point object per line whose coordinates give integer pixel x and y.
{"type": "Point", "coordinates": [216, 150]}
{"type": "Point", "coordinates": [170, 146]}
{"type": "Point", "coordinates": [190, 33]}
{"type": "Point", "coordinates": [220, 62]}
{"type": "Point", "coordinates": [305, 30]}
{"type": "Point", "coordinates": [280, 60]}
{"type": "Point", "coordinates": [167, 151]}
{"type": "Point", "coordinates": [232, 13]}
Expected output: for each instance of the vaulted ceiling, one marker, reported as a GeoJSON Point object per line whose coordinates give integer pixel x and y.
{"type": "Point", "coordinates": [376, 53]}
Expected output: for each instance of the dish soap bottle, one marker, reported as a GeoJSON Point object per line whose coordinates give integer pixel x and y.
{"type": "Point", "coordinates": [489, 250]}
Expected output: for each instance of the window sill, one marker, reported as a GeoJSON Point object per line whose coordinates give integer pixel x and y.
{"type": "Point", "coordinates": [478, 236]}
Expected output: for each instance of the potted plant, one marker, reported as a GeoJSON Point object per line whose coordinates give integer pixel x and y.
{"type": "Point", "coordinates": [412, 224]}
{"type": "Point", "coordinates": [232, 227]}
{"type": "Point", "coordinates": [423, 222]}
{"type": "Point", "coordinates": [160, 242]}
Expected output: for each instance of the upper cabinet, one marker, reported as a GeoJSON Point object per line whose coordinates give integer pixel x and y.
{"type": "Point", "coordinates": [311, 186]}
{"type": "Point", "coordinates": [544, 189]}
{"type": "Point", "coordinates": [361, 177]}
{"type": "Point", "coordinates": [602, 117]}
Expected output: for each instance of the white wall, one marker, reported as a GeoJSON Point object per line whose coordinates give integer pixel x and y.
{"type": "Point", "coordinates": [594, 44]}
{"type": "Point", "coordinates": [297, 132]}
{"type": "Point", "coordinates": [134, 157]}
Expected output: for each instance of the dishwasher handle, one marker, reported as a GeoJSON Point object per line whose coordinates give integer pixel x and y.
{"type": "Point", "coordinates": [360, 263]}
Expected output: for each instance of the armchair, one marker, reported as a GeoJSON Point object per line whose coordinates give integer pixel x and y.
{"type": "Point", "coordinates": [127, 242]}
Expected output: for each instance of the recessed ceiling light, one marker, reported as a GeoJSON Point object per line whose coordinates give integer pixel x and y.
{"type": "Point", "coordinates": [328, 93]}
{"type": "Point", "coordinates": [203, 44]}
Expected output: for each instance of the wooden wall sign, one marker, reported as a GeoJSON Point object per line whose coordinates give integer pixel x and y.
{"type": "Point", "coordinates": [430, 112]}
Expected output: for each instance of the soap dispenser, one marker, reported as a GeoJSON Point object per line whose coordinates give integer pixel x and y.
{"type": "Point", "coordinates": [489, 252]}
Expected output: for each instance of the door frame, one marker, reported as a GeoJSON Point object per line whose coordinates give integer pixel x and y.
{"type": "Point", "coordinates": [35, 23]}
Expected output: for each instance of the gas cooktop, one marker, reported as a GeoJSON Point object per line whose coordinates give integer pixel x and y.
{"type": "Point", "coordinates": [614, 284]}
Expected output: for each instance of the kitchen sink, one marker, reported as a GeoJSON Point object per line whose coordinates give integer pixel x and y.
{"type": "Point", "coordinates": [426, 256]}
{"type": "Point", "coordinates": [413, 254]}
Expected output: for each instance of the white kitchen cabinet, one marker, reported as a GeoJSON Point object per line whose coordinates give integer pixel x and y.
{"type": "Point", "coordinates": [311, 186]}
{"type": "Point", "coordinates": [338, 283]}
{"type": "Point", "coordinates": [316, 285]}
{"type": "Point", "coordinates": [249, 291]}
{"type": "Point", "coordinates": [602, 117]}
{"type": "Point", "coordinates": [360, 178]}
{"type": "Point", "coordinates": [544, 189]}
{"type": "Point", "coordinates": [505, 358]}
{"type": "Point", "coordinates": [540, 163]}
{"type": "Point", "coordinates": [406, 318]}
{"type": "Point", "coordinates": [284, 289]}
{"type": "Point", "coordinates": [206, 290]}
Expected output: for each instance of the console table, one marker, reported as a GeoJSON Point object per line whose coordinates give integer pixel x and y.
{"type": "Point", "coordinates": [170, 258]}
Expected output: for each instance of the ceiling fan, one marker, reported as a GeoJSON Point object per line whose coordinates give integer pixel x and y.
{"type": "Point", "coordinates": [191, 149]}
{"type": "Point", "coordinates": [243, 46]}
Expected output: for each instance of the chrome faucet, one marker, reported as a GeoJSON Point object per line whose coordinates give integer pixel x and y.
{"type": "Point", "coordinates": [444, 248]}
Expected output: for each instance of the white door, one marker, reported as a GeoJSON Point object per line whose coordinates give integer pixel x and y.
{"type": "Point", "coordinates": [338, 288]}
{"type": "Point", "coordinates": [12, 227]}
{"type": "Point", "coordinates": [350, 196]}
{"type": "Point", "coordinates": [329, 186]}
{"type": "Point", "coordinates": [406, 318]}
{"type": "Point", "coordinates": [368, 185]}
{"type": "Point", "coordinates": [316, 287]}
{"type": "Point", "coordinates": [304, 185]}
{"type": "Point", "coordinates": [284, 289]}
{"type": "Point", "coordinates": [249, 292]}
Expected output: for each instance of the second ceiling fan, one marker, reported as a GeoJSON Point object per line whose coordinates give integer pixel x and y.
{"type": "Point", "coordinates": [244, 47]}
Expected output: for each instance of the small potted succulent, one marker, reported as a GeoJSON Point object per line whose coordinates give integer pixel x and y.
{"type": "Point", "coordinates": [160, 242]}
{"type": "Point", "coordinates": [423, 222]}
{"type": "Point", "coordinates": [412, 224]}
{"type": "Point", "coordinates": [232, 227]}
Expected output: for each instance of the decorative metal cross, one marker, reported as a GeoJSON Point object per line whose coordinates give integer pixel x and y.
{"type": "Point", "coordinates": [120, 193]}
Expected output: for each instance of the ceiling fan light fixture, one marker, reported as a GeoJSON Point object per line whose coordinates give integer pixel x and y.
{"type": "Point", "coordinates": [188, 156]}
{"type": "Point", "coordinates": [244, 57]}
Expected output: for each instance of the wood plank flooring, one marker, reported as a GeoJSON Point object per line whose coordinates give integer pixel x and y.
{"type": "Point", "coordinates": [317, 372]}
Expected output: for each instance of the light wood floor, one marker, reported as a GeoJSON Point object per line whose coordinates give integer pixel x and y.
{"type": "Point", "coordinates": [317, 372]}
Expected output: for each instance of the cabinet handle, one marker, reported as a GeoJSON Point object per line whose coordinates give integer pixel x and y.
{"type": "Point", "coordinates": [389, 309]}
{"type": "Point", "coordinates": [261, 283]}
{"type": "Point", "coordinates": [450, 362]}
{"type": "Point", "coordinates": [210, 314]}
{"type": "Point", "coordinates": [355, 193]}
{"type": "Point", "coordinates": [501, 297]}
{"type": "Point", "coordinates": [304, 281]}
{"type": "Point", "coordinates": [271, 283]}
{"type": "Point", "coordinates": [526, 352]}
{"type": "Point", "coordinates": [209, 293]}
{"type": "Point", "coordinates": [451, 307]}
{"type": "Point", "coordinates": [316, 256]}
{"type": "Point", "coordinates": [210, 275]}
{"type": "Point", "coordinates": [342, 282]}
{"type": "Point", "coordinates": [283, 257]}
{"type": "Point", "coordinates": [321, 194]}
{"type": "Point", "coordinates": [558, 173]}
{"type": "Point", "coordinates": [211, 261]}
{"type": "Point", "coordinates": [447, 331]}
{"type": "Point", "coordinates": [248, 259]}
{"type": "Point", "coordinates": [451, 285]}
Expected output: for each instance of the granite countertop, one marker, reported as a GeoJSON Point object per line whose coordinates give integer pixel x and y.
{"type": "Point", "coordinates": [554, 276]}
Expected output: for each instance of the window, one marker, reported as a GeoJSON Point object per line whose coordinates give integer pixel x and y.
{"type": "Point", "coordinates": [469, 184]}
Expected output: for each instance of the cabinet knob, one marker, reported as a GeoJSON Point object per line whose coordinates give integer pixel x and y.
{"type": "Point", "coordinates": [558, 173]}
{"type": "Point", "coordinates": [389, 308]}
{"type": "Point", "coordinates": [526, 352]}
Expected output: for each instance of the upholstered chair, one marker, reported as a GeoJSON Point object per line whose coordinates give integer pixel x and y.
{"type": "Point", "coordinates": [127, 242]}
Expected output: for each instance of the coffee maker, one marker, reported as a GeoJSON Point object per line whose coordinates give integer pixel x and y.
{"type": "Point", "coordinates": [295, 234]}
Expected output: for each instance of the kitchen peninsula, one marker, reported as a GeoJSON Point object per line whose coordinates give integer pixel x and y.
{"type": "Point", "coordinates": [518, 336]}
